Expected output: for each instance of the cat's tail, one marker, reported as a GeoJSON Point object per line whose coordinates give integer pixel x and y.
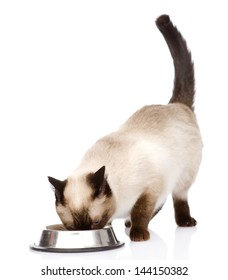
{"type": "Point", "coordinates": [184, 82]}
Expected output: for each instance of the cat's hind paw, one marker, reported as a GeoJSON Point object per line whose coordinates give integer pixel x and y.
{"type": "Point", "coordinates": [186, 222]}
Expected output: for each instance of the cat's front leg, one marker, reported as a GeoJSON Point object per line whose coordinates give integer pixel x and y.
{"type": "Point", "coordinates": [140, 217]}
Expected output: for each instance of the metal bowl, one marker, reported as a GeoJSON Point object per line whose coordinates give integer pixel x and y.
{"type": "Point", "coordinates": [55, 238]}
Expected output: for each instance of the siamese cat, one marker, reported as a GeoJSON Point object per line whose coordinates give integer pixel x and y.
{"type": "Point", "coordinates": [130, 172]}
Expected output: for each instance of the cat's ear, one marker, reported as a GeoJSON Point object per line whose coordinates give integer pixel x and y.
{"type": "Point", "coordinates": [57, 184]}
{"type": "Point", "coordinates": [98, 177]}
{"type": "Point", "coordinates": [99, 183]}
{"type": "Point", "coordinates": [59, 187]}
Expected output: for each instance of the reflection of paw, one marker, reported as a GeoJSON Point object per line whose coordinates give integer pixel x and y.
{"type": "Point", "coordinates": [186, 222]}
{"type": "Point", "coordinates": [127, 223]}
{"type": "Point", "coordinates": [139, 234]}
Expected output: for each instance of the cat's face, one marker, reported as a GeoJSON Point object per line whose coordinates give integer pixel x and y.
{"type": "Point", "coordinates": [84, 203]}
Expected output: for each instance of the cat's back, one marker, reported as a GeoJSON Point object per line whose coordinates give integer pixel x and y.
{"type": "Point", "coordinates": [164, 133]}
{"type": "Point", "coordinates": [161, 119]}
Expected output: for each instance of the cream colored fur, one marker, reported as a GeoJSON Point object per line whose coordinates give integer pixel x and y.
{"type": "Point", "coordinates": [158, 151]}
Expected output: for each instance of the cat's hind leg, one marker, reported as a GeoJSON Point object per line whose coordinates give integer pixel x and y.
{"type": "Point", "coordinates": [140, 217]}
{"type": "Point", "coordinates": [182, 213]}
{"type": "Point", "coordinates": [181, 207]}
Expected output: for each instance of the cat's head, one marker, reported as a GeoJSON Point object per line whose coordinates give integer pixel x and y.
{"type": "Point", "coordinates": [85, 201]}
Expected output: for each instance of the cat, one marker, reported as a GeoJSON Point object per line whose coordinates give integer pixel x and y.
{"type": "Point", "coordinates": [129, 173]}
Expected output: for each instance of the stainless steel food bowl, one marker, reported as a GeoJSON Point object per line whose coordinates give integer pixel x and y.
{"type": "Point", "coordinates": [55, 238]}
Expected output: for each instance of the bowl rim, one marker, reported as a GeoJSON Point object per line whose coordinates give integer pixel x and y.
{"type": "Point", "coordinates": [78, 231]}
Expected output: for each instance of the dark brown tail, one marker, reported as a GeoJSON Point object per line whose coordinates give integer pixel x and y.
{"type": "Point", "coordinates": [184, 82]}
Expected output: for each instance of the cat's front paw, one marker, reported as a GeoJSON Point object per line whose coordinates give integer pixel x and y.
{"type": "Point", "coordinates": [186, 222]}
{"type": "Point", "coordinates": [139, 234]}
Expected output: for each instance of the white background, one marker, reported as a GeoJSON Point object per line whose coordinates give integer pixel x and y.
{"type": "Point", "coordinates": [73, 71]}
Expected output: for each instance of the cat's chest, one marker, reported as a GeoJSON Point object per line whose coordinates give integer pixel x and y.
{"type": "Point", "coordinates": [124, 204]}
